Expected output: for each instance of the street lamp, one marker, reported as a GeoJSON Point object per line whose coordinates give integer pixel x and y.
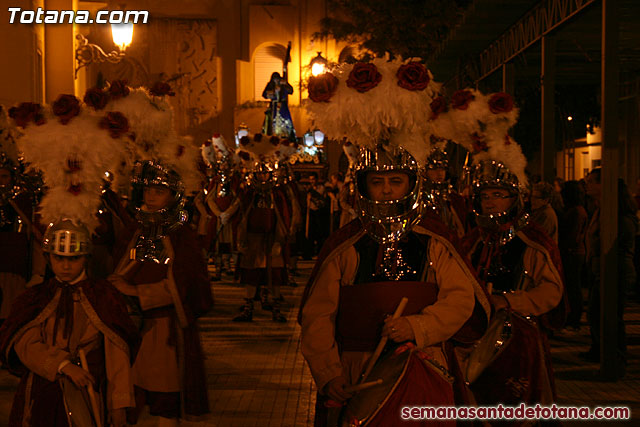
{"type": "Point", "coordinates": [309, 139]}
{"type": "Point", "coordinates": [88, 53]}
{"type": "Point", "coordinates": [318, 136]}
{"type": "Point", "coordinates": [318, 65]}
{"type": "Point", "coordinates": [122, 35]}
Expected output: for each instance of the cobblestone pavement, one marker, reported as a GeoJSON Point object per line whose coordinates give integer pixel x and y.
{"type": "Point", "coordinates": [258, 377]}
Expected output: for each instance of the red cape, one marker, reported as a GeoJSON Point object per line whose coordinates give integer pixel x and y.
{"type": "Point", "coordinates": [107, 302]}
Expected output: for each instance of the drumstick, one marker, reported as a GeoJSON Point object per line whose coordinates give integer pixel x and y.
{"type": "Point", "coordinates": [383, 342]}
{"type": "Point", "coordinates": [363, 386]}
{"type": "Point", "coordinates": [92, 393]}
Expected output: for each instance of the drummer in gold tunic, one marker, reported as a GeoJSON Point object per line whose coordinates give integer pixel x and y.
{"type": "Point", "coordinates": [366, 268]}
{"type": "Point", "coordinates": [521, 267]}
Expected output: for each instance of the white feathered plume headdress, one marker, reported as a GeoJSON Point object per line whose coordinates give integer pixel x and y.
{"type": "Point", "coordinates": [264, 149]}
{"type": "Point", "coordinates": [73, 145]}
{"type": "Point", "coordinates": [351, 151]}
{"type": "Point", "coordinates": [481, 124]}
{"type": "Point", "coordinates": [384, 100]}
{"type": "Point", "coordinates": [153, 136]}
{"type": "Point", "coordinates": [215, 150]}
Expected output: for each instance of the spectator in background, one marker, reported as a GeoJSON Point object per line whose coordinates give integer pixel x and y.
{"type": "Point", "coordinates": [557, 202]}
{"type": "Point", "coordinates": [541, 210]}
{"type": "Point", "coordinates": [572, 230]}
{"type": "Point", "coordinates": [333, 189]}
{"type": "Point", "coordinates": [627, 228]}
{"type": "Point", "coordinates": [316, 221]}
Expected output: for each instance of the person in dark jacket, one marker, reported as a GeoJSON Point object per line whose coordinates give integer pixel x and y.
{"type": "Point", "coordinates": [572, 230]}
{"type": "Point", "coordinates": [627, 227]}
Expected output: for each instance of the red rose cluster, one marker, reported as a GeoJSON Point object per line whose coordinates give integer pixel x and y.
{"type": "Point", "coordinates": [98, 98]}
{"type": "Point", "coordinates": [413, 76]}
{"type": "Point", "coordinates": [115, 123]}
{"type": "Point", "coordinates": [438, 106]}
{"type": "Point", "coordinates": [66, 107]}
{"type": "Point", "coordinates": [322, 87]}
{"type": "Point", "coordinates": [500, 103]}
{"type": "Point", "coordinates": [364, 77]}
{"type": "Point", "coordinates": [27, 112]}
{"type": "Point", "coordinates": [161, 89]}
{"type": "Point", "coordinates": [460, 99]}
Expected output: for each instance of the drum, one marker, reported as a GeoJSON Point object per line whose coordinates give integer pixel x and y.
{"type": "Point", "coordinates": [508, 365]}
{"type": "Point", "coordinates": [408, 379]}
{"type": "Point", "coordinates": [77, 404]}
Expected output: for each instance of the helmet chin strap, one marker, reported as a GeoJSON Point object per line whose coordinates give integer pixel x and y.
{"type": "Point", "coordinates": [502, 229]}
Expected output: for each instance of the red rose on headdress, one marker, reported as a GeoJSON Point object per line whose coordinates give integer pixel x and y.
{"type": "Point", "coordinates": [118, 89]}
{"type": "Point", "coordinates": [438, 106]}
{"type": "Point", "coordinates": [245, 140]}
{"type": "Point", "coordinates": [479, 144]}
{"type": "Point", "coordinates": [244, 155]}
{"type": "Point", "coordinates": [323, 87]}
{"type": "Point", "coordinates": [460, 99]}
{"type": "Point", "coordinates": [413, 76]}
{"type": "Point", "coordinates": [161, 89]}
{"type": "Point", "coordinates": [66, 107]}
{"type": "Point", "coordinates": [364, 77]}
{"type": "Point", "coordinates": [500, 103]}
{"type": "Point", "coordinates": [180, 150]}
{"type": "Point", "coordinates": [116, 123]}
{"type": "Point", "coordinates": [26, 112]}
{"type": "Point", "coordinates": [96, 98]}
{"type": "Point", "coordinates": [274, 140]}
{"type": "Point", "coordinates": [75, 189]}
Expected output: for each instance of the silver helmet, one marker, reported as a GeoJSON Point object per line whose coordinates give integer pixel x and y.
{"type": "Point", "coordinates": [388, 220]}
{"type": "Point", "coordinates": [488, 174]}
{"type": "Point", "coordinates": [435, 191]}
{"type": "Point", "coordinates": [437, 159]}
{"type": "Point", "coordinates": [265, 175]}
{"type": "Point", "coordinates": [148, 173]}
{"type": "Point", "coordinates": [65, 238]}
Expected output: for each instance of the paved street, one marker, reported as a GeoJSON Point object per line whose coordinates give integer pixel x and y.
{"type": "Point", "coordinates": [257, 376]}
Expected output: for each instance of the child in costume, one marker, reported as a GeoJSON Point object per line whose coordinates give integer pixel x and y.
{"type": "Point", "coordinates": [160, 267]}
{"type": "Point", "coordinates": [69, 338]}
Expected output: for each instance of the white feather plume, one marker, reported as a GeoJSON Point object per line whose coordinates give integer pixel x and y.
{"type": "Point", "coordinates": [73, 159]}
{"type": "Point", "coordinates": [484, 133]}
{"type": "Point", "coordinates": [155, 138]}
{"type": "Point", "coordinates": [264, 149]}
{"type": "Point", "coordinates": [351, 151]}
{"type": "Point", "coordinates": [386, 111]}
